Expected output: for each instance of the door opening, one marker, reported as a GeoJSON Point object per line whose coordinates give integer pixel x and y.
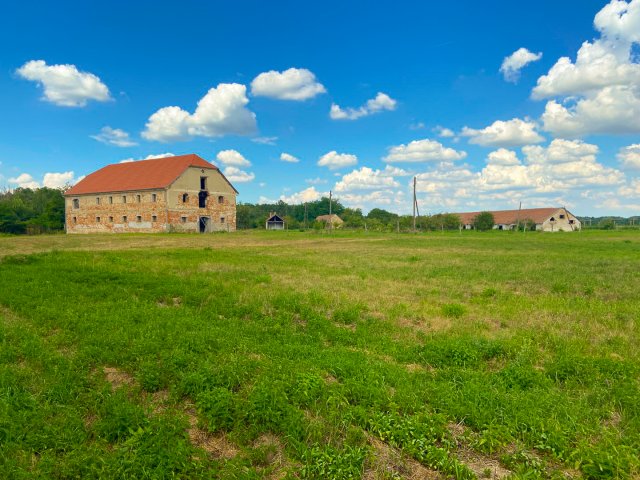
{"type": "Point", "coordinates": [204, 224]}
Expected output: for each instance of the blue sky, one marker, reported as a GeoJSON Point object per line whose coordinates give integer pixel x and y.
{"type": "Point", "coordinates": [487, 103]}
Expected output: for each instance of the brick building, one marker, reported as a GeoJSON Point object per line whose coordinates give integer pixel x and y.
{"type": "Point", "coordinates": [183, 193]}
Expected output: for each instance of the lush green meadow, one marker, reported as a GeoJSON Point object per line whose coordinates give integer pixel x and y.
{"type": "Point", "coordinates": [309, 355]}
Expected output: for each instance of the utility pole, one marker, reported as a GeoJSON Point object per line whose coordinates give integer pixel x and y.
{"type": "Point", "coordinates": [518, 222]}
{"type": "Point", "coordinates": [415, 204]}
{"type": "Point", "coordinates": [330, 216]}
{"type": "Point", "coordinates": [305, 215]}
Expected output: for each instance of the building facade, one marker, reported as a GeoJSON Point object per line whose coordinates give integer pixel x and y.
{"type": "Point", "coordinates": [552, 219]}
{"type": "Point", "coordinates": [172, 194]}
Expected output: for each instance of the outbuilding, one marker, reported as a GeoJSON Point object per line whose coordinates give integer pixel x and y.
{"type": "Point", "coordinates": [551, 219]}
{"type": "Point", "coordinates": [274, 222]}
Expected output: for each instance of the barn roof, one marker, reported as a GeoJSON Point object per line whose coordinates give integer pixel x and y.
{"type": "Point", "coordinates": [508, 217]}
{"type": "Point", "coordinates": [275, 218]}
{"type": "Point", "coordinates": [139, 175]}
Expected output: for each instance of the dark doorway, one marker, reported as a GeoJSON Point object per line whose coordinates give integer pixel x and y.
{"type": "Point", "coordinates": [202, 199]}
{"type": "Point", "coordinates": [204, 224]}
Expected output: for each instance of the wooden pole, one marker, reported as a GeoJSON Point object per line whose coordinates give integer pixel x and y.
{"type": "Point", "coordinates": [305, 215]}
{"type": "Point", "coordinates": [330, 216]}
{"type": "Point", "coordinates": [414, 204]}
{"type": "Point", "coordinates": [518, 221]}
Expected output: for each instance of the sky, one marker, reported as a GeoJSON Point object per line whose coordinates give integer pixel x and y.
{"type": "Point", "coordinates": [488, 104]}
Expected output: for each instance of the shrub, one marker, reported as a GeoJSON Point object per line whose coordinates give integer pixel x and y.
{"type": "Point", "coordinates": [483, 221]}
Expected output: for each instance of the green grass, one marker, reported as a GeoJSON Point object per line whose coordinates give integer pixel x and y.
{"type": "Point", "coordinates": [258, 355]}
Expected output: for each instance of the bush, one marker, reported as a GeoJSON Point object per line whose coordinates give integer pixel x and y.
{"type": "Point", "coordinates": [483, 221]}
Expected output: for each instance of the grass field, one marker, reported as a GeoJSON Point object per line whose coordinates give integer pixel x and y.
{"type": "Point", "coordinates": [305, 355]}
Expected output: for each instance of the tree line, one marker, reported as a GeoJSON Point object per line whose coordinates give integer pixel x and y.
{"type": "Point", "coordinates": [41, 210]}
{"type": "Point", "coordinates": [26, 210]}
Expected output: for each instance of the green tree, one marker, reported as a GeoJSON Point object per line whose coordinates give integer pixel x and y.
{"type": "Point", "coordinates": [483, 221]}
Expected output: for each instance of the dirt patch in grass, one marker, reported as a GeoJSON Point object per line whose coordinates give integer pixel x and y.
{"type": "Point", "coordinates": [117, 378]}
{"type": "Point", "coordinates": [215, 445]}
{"type": "Point", "coordinates": [389, 462]}
{"type": "Point", "coordinates": [482, 465]}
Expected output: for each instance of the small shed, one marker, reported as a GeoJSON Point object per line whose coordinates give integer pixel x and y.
{"type": "Point", "coordinates": [274, 222]}
{"type": "Point", "coordinates": [329, 220]}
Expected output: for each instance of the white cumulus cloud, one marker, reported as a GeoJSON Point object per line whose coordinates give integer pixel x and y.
{"type": "Point", "coordinates": [423, 151]}
{"type": "Point", "coordinates": [222, 111]}
{"type": "Point", "coordinates": [65, 85]}
{"type": "Point", "coordinates": [58, 180]}
{"type": "Point", "coordinates": [630, 156]}
{"type": "Point", "coordinates": [235, 175]}
{"type": "Point", "coordinates": [334, 160]}
{"type": "Point", "coordinates": [366, 178]}
{"type": "Point", "coordinates": [232, 158]}
{"type": "Point", "coordinates": [24, 180]}
{"type": "Point", "coordinates": [600, 91]}
{"type": "Point", "coordinates": [292, 84]}
{"type": "Point", "coordinates": [114, 136]}
{"type": "Point", "coordinates": [515, 62]}
{"type": "Point", "coordinates": [307, 195]}
{"type": "Point", "coordinates": [381, 102]}
{"type": "Point", "coordinates": [510, 133]}
{"type": "Point", "coordinates": [287, 157]}
{"type": "Point", "coordinates": [148, 157]}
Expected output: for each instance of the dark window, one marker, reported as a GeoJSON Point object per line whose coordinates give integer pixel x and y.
{"type": "Point", "coordinates": [552, 219]}
{"type": "Point", "coordinates": [154, 218]}
{"type": "Point", "coordinates": [110, 219]}
{"type": "Point", "coordinates": [154, 197]}
{"type": "Point", "coordinates": [203, 183]}
{"type": "Point", "coordinates": [220, 199]}
{"type": "Point", "coordinates": [202, 199]}
{"type": "Point", "coordinates": [75, 220]}
{"type": "Point", "coordinates": [571, 221]}
{"type": "Point", "coordinates": [97, 200]}
{"type": "Point", "coordinates": [97, 219]}
{"type": "Point", "coordinates": [185, 197]}
{"type": "Point", "coordinates": [124, 199]}
{"type": "Point", "coordinates": [124, 218]}
{"type": "Point", "coordinates": [561, 216]}
{"type": "Point", "coordinates": [76, 203]}
{"type": "Point", "coordinates": [110, 200]}
{"type": "Point", "coordinates": [138, 198]}
{"type": "Point", "coordinates": [221, 219]}
{"type": "Point", "coordinates": [183, 219]}
{"type": "Point", "coordinates": [139, 218]}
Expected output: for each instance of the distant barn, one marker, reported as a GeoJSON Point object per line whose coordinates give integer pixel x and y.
{"type": "Point", "coordinates": [551, 219]}
{"type": "Point", "coordinates": [274, 222]}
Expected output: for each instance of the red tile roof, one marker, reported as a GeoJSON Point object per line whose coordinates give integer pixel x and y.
{"type": "Point", "coordinates": [139, 175]}
{"type": "Point", "coordinates": [508, 217]}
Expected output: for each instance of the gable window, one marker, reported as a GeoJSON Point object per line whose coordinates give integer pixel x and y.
{"type": "Point", "coordinates": [154, 197]}
{"type": "Point", "coordinates": [139, 218]}
{"type": "Point", "coordinates": [138, 198]}
{"type": "Point", "coordinates": [97, 200]}
{"type": "Point", "coordinates": [221, 199]}
{"type": "Point", "coordinates": [124, 199]}
{"type": "Point", "coordinates": [185, 197]}
{"type": "Point", "coordinates": [203, 183]}
{"type": "Point", "coordinates": [97, 219]}
{"type": "Point", "coordinates": [76, 203]}
{"type": "Point", "coordinates": [561, 215]}
{"type": "Point", "coordinates": [110, 200]}
{"type": "Point", "coordinates": [571, 222]}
